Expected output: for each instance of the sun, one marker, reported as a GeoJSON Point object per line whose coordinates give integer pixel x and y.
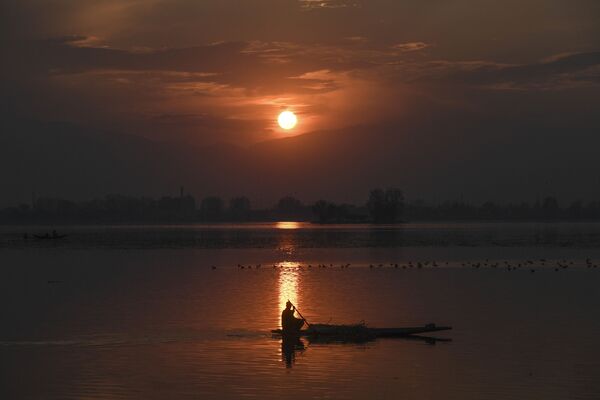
{"type": "Point", "coordinates": [287, 120]}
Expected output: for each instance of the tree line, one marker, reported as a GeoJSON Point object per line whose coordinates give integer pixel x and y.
{"type": "Point", "coordinates": [381, 206]}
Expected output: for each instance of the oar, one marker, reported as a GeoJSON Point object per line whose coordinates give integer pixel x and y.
{"type": "Point", "coordinates": [301, 316]}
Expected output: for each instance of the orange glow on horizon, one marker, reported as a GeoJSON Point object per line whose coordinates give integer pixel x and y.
{"type": "Point", "coordinates": [287, 225]}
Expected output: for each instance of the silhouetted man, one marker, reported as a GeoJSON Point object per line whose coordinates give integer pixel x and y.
{"type": "Point", "coordinates": [289, 323]}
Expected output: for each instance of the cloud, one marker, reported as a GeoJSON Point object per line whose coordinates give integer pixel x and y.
{"type": "Point", "coordinates": [325, 4]}
{"type": "Point", "coordinates": [410, 46]}
{"type": "Point", "coordinates": [328, 84]}
{"type": "Point", "coordinates": [553, 73]}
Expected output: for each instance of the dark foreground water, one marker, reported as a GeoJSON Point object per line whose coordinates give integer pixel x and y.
{"type": "Point", "coordinates": [84, 319]}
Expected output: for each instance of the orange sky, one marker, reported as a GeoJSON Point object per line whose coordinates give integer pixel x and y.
{"type": "Point", "coordinates": [399, 75]}
{"type": "Point", "coordinates": [205, 69]}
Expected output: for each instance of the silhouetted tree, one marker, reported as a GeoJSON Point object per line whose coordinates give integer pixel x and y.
{"type": "Point", "coordinates": [327, 212]}
{"type": "Point", "coordinates": [321, 210]}
{"type": "Point", "coordinates": [324, 211]}
{"type": "Point", "coordinates": [211, 208]}
{"type": "Point", "coordinates": [239, 208]}
{"type": "Point", "coordinates": [576, 209]}
{"type": "Point", "coordinates": [550, 207]}
{"type": "Point", "coordinates": [488, 210]}
{"type": "Point", "coordinates": [385, 206]}
{"type": "Point", "coordinates": [289, 207]}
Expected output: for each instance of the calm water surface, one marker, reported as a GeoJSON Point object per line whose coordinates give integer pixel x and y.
{"type": "Point", "coordinates": [112, 313]}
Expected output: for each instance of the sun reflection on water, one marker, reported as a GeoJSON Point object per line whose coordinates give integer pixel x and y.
{"type": "Point", "coordinates": [287, 225]}
{"type": "Point", "coordinates": [289, 276]}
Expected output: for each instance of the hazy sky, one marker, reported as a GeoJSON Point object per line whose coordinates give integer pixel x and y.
{"type": "Point", "coordinates": [219, 71]}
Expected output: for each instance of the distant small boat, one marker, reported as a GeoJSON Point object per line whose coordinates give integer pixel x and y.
{"type": "Point", "coordinates": [46, 236]}
{"type": "Point", "coordinates": [361, 331]}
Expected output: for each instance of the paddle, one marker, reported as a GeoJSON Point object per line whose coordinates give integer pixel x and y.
{"type": "Point", "coordinates": [301, 316]}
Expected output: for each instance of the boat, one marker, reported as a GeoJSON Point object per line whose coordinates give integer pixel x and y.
{"type": "Point", "coordinates": [359, 331]}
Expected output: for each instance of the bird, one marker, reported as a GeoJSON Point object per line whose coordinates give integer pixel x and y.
{"type": "Point", "coordinates": [213, 267]}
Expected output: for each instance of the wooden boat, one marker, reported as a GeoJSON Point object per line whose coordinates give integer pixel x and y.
{"type": "Point", "coordinates": [360, 331]}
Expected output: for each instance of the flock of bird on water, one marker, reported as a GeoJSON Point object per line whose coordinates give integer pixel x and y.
{"type": "Point", "coordinates": [509, 266]}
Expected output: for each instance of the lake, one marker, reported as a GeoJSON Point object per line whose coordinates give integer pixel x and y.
{"type": "Point", "coordinates": [155, 312]}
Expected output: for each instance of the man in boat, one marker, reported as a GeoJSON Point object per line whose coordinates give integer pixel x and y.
{"type": "Point", "coordinates": [289, 323]}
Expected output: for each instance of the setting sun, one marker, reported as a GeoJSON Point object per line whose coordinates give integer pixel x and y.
{"type": "Point", "coordinates": [287, 120]}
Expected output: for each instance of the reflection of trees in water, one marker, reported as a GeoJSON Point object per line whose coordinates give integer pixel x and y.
{"type": "Point", "coordinates": [385, 237]}
{"type": "Point", "coordinates": [344, 237]}
{"type": "Point", "coordinates": [547, 235]}
{"type": "Point", "coordinates": [267, 236]}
